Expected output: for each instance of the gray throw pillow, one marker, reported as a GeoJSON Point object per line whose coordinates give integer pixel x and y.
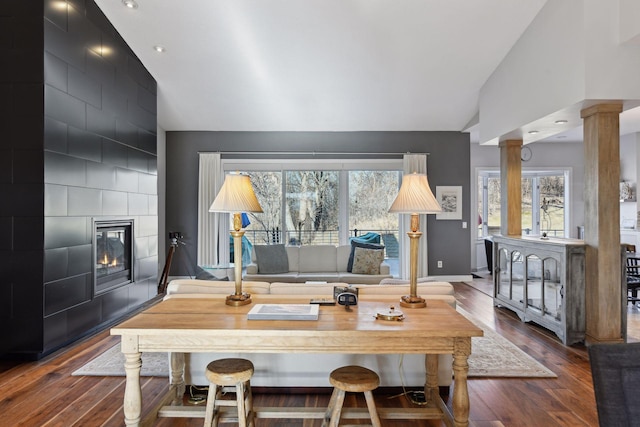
{"type": "Point", "coordinates": [271, 259]}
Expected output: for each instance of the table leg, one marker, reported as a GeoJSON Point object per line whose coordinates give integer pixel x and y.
{"type": "Point", "coordinates": [177, 378]}
{"type": "Point", "coordinates": [462, 350]}
{"type": "Point", "coordinates": [132, 391]}
{"type": "Point", "coordinates": [431, 385]}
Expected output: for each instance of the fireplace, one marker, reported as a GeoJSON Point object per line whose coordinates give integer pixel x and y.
{"type": "Point", "coordinates": [113, 251]}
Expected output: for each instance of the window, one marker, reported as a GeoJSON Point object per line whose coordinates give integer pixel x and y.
{"type": "Point", "coordinates": [317, 202]}
{"type": "Point", "coordinates": [543, 203]}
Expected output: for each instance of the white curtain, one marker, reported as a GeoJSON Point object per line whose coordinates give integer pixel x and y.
{"type": "Point", "coordinates": [413, 163]}
{"type": "Point", "coordinates": [213, 228]}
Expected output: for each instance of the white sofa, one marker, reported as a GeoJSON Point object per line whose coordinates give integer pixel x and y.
{"type": "Point", "coordinates": [312, 370]}
{"type": "Point", "coordinates": [316, 263]}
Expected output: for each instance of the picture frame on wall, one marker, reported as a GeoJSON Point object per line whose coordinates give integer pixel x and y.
{"type": "Point", "coordinates": [450, 199]}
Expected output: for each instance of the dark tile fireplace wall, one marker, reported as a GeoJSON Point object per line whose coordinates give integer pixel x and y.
{"type": "Point", "coordinates": [78, 143]}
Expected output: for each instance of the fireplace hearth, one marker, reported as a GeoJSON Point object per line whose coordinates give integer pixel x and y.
{"type": "Point", "coordinates": [113, 251]}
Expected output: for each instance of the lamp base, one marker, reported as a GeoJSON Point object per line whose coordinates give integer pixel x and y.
{"type": "Point", "coordinates": [412, 302]}
{"type": "Point", "coordinates": [237, 300]}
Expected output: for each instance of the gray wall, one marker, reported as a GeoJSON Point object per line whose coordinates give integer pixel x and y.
{"type": "Point", "coordinates": [448, 164]}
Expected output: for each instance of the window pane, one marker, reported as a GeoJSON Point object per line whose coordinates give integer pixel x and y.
{"type": "Point", "coordinates": [371, 193]}
{"type": "Point", "coordinates": [552, 205]}
{"type": "Point", "coordinates": [265, 226]}
{"type": "Point", "coordinates": [493, 206]}
{"type": "Point", "coordinates": [312, 208]}
{"type": "Point", "coordinates": [527, 199]}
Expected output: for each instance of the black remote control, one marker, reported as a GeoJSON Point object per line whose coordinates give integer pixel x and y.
{"type": "Point", "coordinates": [323, 301]}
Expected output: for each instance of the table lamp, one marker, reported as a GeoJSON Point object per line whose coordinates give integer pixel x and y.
{"type": "Point", "coordinates": [415, 197]}
{"type": "Point", "coordinates": [236, 196]}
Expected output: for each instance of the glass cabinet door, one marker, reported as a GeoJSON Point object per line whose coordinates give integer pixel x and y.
{"type": "Point", "coordinates": [534, 283]}
{"type": "Point", "coordinates": [552, 288]}
{"type": "Point", "coordinates": [517, 277]}
{"type": "Point", "coordinates": [504, 276]}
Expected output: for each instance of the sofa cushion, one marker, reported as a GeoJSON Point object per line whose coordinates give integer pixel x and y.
{"type": "Point", "coordinates": [200, 287]}
{"type": "Point", "coordinates": [272, 259]}
{"type": "Point", "coordinates": [293, 252]}
{"type": "Point", "coordinates": [361, 279]}
{"type": "Point", "coordinates": [313, 289]}
{"type": "Point", "coordinates": [355, 244]}
{"type": "Point", "coordinates": [392, 281]}
{"type": "Point", "coordinates": [291, 276]}
{"type": "Point", "coordinates": [435, 290]}
{"type": "Point", "coordinates": [317, 258]}
{"type": "Point", "coordinates": [367, 261]}
{"type": "Point", "coordinates": [342, 257]}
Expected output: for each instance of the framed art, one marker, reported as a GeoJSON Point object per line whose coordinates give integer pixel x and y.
{"type": "Point", "coordinates": [450, 199]}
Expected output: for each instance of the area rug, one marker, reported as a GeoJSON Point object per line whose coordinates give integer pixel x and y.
{"type": "Point", "coordinates": [111, 364]}
{"type": "Point", "coordinates": [492, 356]}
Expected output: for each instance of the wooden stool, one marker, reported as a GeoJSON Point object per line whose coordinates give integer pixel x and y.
{"type": "Point", "coordinates": [354, 379]}
{"type": "Point", "coordinates": [229, 372]}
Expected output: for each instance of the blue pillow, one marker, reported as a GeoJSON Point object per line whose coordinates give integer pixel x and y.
{"type": "Point", "coordinates": [355, 244]}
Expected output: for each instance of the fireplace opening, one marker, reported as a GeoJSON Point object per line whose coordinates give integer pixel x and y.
{"type": "Point", "coordinates": [113, 255]}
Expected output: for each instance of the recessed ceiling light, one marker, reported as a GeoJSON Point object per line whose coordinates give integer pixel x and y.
{"type": "Point", "coordinates": [60, 5]}
{"type": "Point", "coordinates": [562, 122]}
{"type": "Point", "coordinates": [159, 49]}
{"type": "Point", "coordinates": [131, 4]}
{"type": "Point", "coordinates": [533, 132]}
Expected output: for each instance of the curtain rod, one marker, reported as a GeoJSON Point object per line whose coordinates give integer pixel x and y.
{"type": "Point", "coordinates": [313, 153]}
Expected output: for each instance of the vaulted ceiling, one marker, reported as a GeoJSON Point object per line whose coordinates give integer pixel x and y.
{"type": "Point", "coordinates": [321, 65]}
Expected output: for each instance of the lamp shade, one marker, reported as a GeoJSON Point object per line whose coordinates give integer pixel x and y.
{"type": "Point", "coordinates": [415, 196]}
{"type": "Point", "coordinates": [236, 195]}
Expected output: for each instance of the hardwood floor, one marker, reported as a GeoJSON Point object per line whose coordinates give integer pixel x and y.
{"type": "Point", "coordinates": [44, 393]}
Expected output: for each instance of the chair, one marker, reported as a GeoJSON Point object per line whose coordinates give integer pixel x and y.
{"type": "Point", "coordinates": [229, 372]}
{"type": "Point", "coordinates": [633, 277]}
{"type": "Point", "coordinates": [615, 369]}
{"type": "Point", "coordinates": [352, 379]}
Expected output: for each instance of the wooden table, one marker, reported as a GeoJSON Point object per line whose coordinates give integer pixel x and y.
{"type": "Point", "coordinates": [208, 325]}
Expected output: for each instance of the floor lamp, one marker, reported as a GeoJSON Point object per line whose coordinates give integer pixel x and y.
{"type": "Point", "coordinates": [415, 198]}
{"type": "Point", "coordinates": [236, 196]}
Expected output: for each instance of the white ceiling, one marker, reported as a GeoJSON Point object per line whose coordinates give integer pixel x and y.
{"type": "Point", "coordinates": [320, 65]}
{"type": "Point", "coordinates": [325, 65]}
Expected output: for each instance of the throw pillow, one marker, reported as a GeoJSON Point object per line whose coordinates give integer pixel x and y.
{"type": "Point", "coordinates": [367, 261]}
{"type": "Point", "coordinates": [202, 274]}
{"type": "Point", "coordinates": [271, 259]}
{"type": "Point", "coordinates": [355, 244]}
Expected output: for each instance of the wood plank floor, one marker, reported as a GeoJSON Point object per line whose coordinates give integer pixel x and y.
{"type": "Point", "coordinates": [44, 393]}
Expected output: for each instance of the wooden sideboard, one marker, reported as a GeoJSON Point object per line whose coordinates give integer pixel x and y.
{"type": "Point", "coordinates": [542, 281]}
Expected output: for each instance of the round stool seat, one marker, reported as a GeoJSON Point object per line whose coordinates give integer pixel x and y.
{"type": "Point", "coordinates": [354, 379]}
{"type": "Point", "coordinates": [229, 371]}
